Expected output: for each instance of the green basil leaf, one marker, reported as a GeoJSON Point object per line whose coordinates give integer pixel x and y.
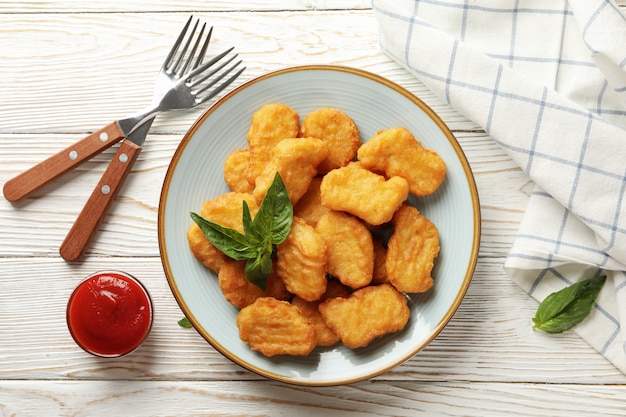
{"type": "Point", "coordinates": [185, 323]}
{"type": "Point", "coordinates": [259, 268]}
{"type": "Point", "coordinates": [270, 227]}
{"type": "Point", "coordinates": [252, 233]}
{"type": "Point", "coordinates": [564, 309]}
{"type": "Point", "coordinates": [275, 214]}
{"type": "Point", "coordinates": [231, 242]}
{"type": "Point", "coordinates": [555, 303]}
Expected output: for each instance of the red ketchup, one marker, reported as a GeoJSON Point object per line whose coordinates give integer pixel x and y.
{"type": "Point", "coordinates": [109, 314]}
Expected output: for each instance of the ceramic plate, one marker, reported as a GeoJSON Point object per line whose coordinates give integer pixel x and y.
{"type": "Point", "coordinates": [374, 103]}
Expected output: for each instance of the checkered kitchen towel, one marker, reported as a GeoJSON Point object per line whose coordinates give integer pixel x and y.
{"type": "Point", "coordinates": [546, 79]}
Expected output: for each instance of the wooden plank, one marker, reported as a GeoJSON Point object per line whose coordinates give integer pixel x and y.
{"type": "Point", "coordinates": [187, 6]}
{"type": "Point", "coordinates": [261, 398]}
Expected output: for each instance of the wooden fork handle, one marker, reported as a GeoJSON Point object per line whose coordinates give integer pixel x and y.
{"type": "Point", "coordinates": [34, 178]}
{"type": "Point", "coordinates": [99, 202]}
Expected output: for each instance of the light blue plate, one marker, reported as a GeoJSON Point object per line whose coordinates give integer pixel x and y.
{"type": "Point", "coordinates": [374, 103]}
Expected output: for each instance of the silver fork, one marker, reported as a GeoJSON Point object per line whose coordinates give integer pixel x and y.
{"type": "Point", "coordinates": [183, 82]}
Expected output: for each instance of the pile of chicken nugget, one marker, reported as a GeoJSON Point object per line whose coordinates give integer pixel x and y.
{"type": "Point", "coordinates": [355, 249]}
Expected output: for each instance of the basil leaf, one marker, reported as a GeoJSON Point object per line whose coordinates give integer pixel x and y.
{"type": "Point", "coordinates": [270, 227]}
{"type": "Point", "coordinates": [275, 214]}
{"type": "Point", "coordinates": [252, 233]}
{"type": "Point", "coordinates": [229, 241]}
{"type": "Point", "coordinates": [259, 268]}
{"type": "Point", "coordinates": [564, 309]}
{"type": "Point", "coordinates": [185, 323]}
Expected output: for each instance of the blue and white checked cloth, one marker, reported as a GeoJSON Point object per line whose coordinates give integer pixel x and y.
{"type": "Point", "coordinates": [546, 79]}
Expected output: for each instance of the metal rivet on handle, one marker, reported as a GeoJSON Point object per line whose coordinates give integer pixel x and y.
{"type": "Point", "coordinates": [123, 158]}
{"type": "Point", "coordinates": [105, 189]}
{"type": "Point", "coordinates": [104, 136]}
{"type": "Point", "coordinates": [73, 155]}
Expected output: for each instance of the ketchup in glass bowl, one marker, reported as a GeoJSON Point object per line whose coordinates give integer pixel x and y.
{"type": "Point", "coordinates": [109, 314]}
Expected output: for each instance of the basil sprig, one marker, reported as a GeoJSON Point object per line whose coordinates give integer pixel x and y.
{"type": "Point", "coordinates": [270, 227]}
{"type": "Point", "coordinates": [564, 309]}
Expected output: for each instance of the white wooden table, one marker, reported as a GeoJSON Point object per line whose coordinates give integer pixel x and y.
{"type": "Point", "coordinates": [67, 68]}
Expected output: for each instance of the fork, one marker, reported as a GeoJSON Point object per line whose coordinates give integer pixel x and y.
{"type": "Point", "coordinates": [183, 82]}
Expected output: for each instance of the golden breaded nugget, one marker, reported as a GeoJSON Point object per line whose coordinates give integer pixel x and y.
{"type": "Point", "coordinates": [226, 210]}
{"type": "Point", "coordinates": [240, 292]}
{"type": "Point", "coordinates": [270, 124]}
{"type": "Point", "coordinates": [412, 250]}
{"type": "Point", "coordinates": [203, 250]}
{"type": "Point", "coordinates": [301, 261]}
{"type": "Point", "coordinates": [396, 152]}
{"type": "Point", "coordinates": [296, 160]}
{"type": "Point", "coordinates": [274, 327]}
{"type": "Point", "coordinates": [324, 336]}
{"type": "Point", "coordinates": [339, 132]}
{"type": "Point", "coordinates": [350, 248]}
{"type": "Point", "coordinates": [335, 289]}
{"type": "Point", "coordinates": [310, 309]}
{"type": "Point", "coordinates": [362, 193]}
{"type": "Point", "coordinates": [380, 261]}
{"type": "Point", "coordinates": [367, 314]}
{"type": "Point", "coordinates": [310, 206]}
{"type": "Point", "coordinates": [276, 287]}
{"type": "Point", "coordinates": [235, 287]}
{"type": "Point", "coordinates": [235, 171]}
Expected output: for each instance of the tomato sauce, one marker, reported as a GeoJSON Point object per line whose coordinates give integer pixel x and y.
{"type": "Point", "coordinates": [109, 314]}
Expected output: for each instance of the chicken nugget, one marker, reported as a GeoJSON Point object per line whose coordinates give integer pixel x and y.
{"type": "Point", "coordinates": [412, 250]}
{"type": "Point", "coordinates": [274, 327]}
{"type": "Point", "coordinates": [225, 210]}
{"type": "Point", "coordinates": [310, 309]}
{"type": "Point", "coordinates": [324, 336]}
{"type": "Point", "coordinates": [363, 193]}
{"type": "Point", "coordinates": [350, 248]}
{"type": "Point", "coordinates": [339, 132]}
{"type": "Point", "coordinates": [334, 289]}
{"type": "Point", "coordinates": [301, 261]}
{"type": "Point", "coordinates": [235, 287]}
{"type": "Point", "coordinates": [240, 292]}
{"type": "Point", "coordinates": [203, 250]}
{"type": "Point", "coordinates": [380, 261]}
{"type": "Point", "coordinates": [396, 152]}
{"type": "Point", "coordinates": [270, 124]}
{"type": "Point", "coordinates": [235, 171]}
{"type": "Point", "coordinates": [296, 160]}
{"type": "Point", "coordinates": [367, 314]}
{"type": "Point", "coordinates": [310, 207]}
{"type": "Point", "coordinates": [275, 287]}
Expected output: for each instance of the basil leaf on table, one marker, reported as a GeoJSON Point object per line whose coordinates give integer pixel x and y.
{"type": "Point", "coordinates": [270, 226]}
{"type": "Point", "coordinates": [564, 309]}
{"type": "Point", "coordinates": [185, 323]}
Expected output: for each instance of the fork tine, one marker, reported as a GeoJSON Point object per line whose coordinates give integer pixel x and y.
{"type": "Point", "coordinates": [207, 64]}
{"type": "Point", "coordinates": [176, 45]}
{"type": "Point", "coordinates": [213, 71]}
{"type": "Point", "coordinates": [183, 52]}
{"type": "Point", "coordinates": [192, 53]}
{"type": "Point", "coordinates": [222, 86]}
{"type": "Point", "coordinates": [205, 46]}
